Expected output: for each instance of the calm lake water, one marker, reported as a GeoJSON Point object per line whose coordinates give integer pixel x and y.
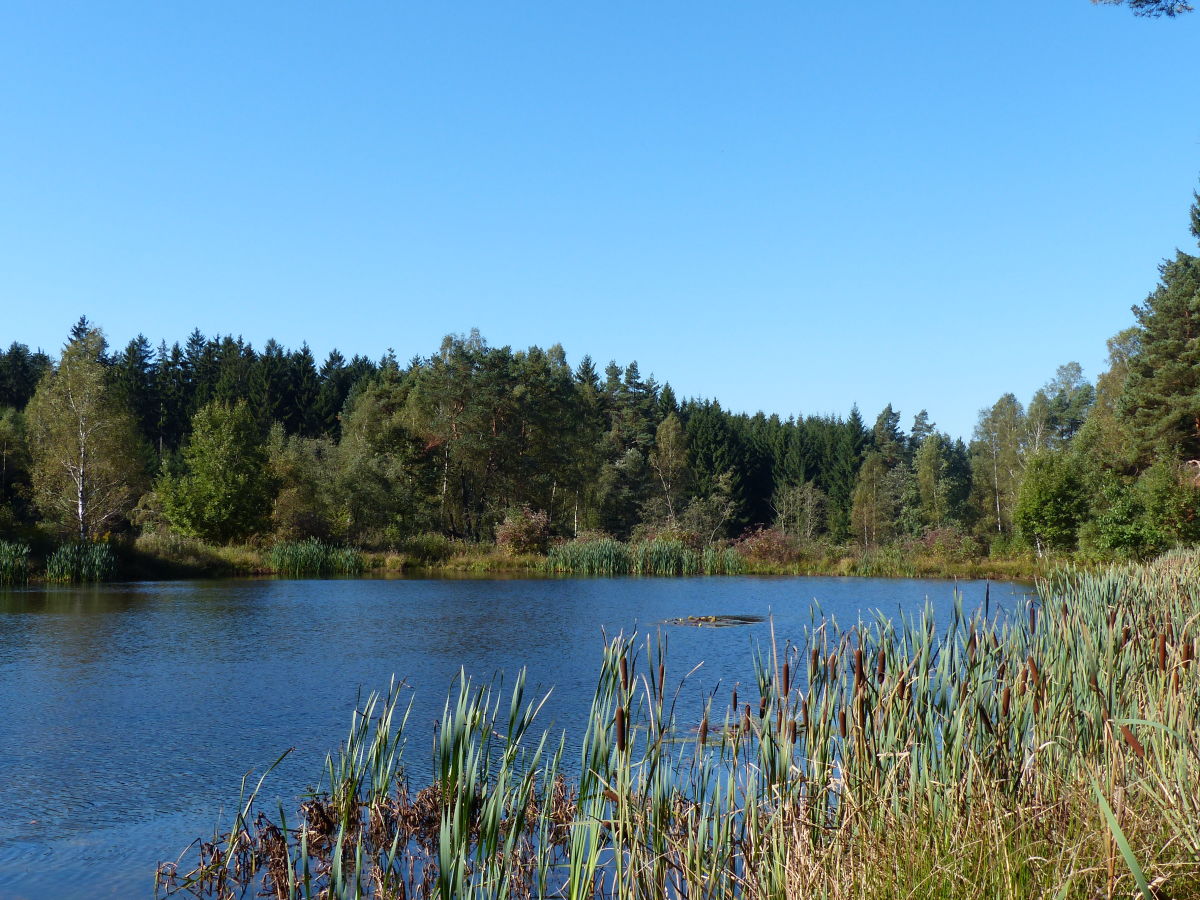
{"type": "Point", "coordinates": [129, 713]}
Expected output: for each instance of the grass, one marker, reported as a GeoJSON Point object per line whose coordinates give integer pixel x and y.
{"type": "Point", "coordinates": [14, 562]}
{"type": "Point", "coordinates": [313, 559]}
{"type": "Point", "coordinates": [1052, 755]}
{"type": "Point", "coordinates": [81, 562]}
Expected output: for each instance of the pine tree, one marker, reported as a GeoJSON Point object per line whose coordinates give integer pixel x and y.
{"type": "Point", "coordinates": [1161, 399]}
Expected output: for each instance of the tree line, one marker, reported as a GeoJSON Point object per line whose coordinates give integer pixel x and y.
{"type": "Point", "coordinates": [214, 439]}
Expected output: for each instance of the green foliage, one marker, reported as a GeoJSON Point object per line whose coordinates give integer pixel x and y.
{"type": "Point", "coordinates": [14, 562]}
{"type": "Point", "coordinates": [1140, 518]}
{"type": "Point", "coordinates": [303, 471]}
{"type": "Point", "coordinates": [1161, 397]}
{"type": "Point", "coordinates": [313, 559]}
{"type": "Point", "coordinates": [87, 462]}
{"type": "Point", "coordinates": [81, 561]}
{"type": "Point", "coordinates": [1052, 502]}
{"type": "Point", "coordinates": [225, 493]}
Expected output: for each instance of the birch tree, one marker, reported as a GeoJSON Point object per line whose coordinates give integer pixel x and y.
{"type": "Point", "coordinates": [87, 465]}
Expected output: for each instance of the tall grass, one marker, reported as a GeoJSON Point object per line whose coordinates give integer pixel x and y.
{"type": "Point", "coordinates": [81, 561]}
{"type": "Point", "coordinates": [659, 557]}
{"type": "Point", "coordinates": [1053, 753]}
{"type": "Point", "coordinates": [313, 558]}
{"type": "Point", "coordinates": [598, 557]}
{"type": "Point", "coordinates": [14, 562]}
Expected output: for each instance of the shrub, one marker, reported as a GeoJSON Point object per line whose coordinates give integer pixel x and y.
{"type": "Point", "coordinates": [524, 530]}
{"type": "Point", "coordinates": [428, 548]}
{"type": "Point", "coordinates": [768, 545]}
{"type": "Point", "coordinates": [950, 542]}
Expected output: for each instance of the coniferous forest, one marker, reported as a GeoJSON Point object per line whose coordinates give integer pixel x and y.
{"type": "Point", "coordinates": [211, 442]}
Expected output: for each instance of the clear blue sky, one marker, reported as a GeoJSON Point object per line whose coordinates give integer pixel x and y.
{"type": "Point", "coordinates": [787, 206]}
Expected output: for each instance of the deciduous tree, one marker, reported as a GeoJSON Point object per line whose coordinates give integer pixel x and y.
{"type": "Point", "coordinates": [87, 464]}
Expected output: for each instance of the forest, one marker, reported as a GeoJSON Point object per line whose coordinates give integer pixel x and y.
{"type": "Point", "coordinates": [216, 442]}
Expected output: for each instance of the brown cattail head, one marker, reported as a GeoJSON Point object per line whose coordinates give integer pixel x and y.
{"type": "Point", "coordinates": [787, 679]}
{"type": "Point", "coordinates": [1162, 651]}
{"type": "Point", "coordinates": [842, 721]}
{"type": "Point", "coordinates": [971, 648]}
{"type": "Point", "coordinates": [804, 710]}
{"type": "Point", "coordinates": [1033, 672]}
{"type": "Point", "coordinates": [1188, 649]}
{"type": "Point", "coordinates": [1092, 683]}
{"type": "Point", "coordinates": [880, 662]}
{"type": "Point", "coordinates": [662, 677]}
{"type": "Point", "coordinates": [625, 673]}
{"type": "Point", "coordinates": [791, 731]}
{"type": "Point", "coordinates": [621, 729]}
{"type": "Point", "coordinates": [733, 703]}
{"type": "Point", "coordinates": [858, 669]}
{"type": "Point", "coordinates": [704, 731]}
{"type": "Point", "coordinates": [1005, 698]}
{"type": "Point", "coordinates": [1032, 618]}
{"type": "Point", "coordinates": [831, 665]}
{"type": "Point", "coordinates": [814, 663]}
{"type": "Point", "coordinates": [746, 718]}
{"type": "Point", "coordinates": [1133, 742]}
{"type": "Point", "coordinates": [762, 707]}
{"type": "Point", "coordinates": [1124, 635]}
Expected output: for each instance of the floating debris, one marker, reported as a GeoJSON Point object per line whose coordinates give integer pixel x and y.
{"type": "Point", "coordinates": [713, 621]}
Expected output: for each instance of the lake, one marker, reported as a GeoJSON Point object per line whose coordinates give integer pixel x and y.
{"type": "Point", "coordinates": [130, 712]}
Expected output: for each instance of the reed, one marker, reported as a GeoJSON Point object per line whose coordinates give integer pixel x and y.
{"type": "Point", "coordinates": [660, 557]}
{"type": "Point", "coordinates": [593, 557]}
{"type": "Point", "coordinates": [1044, 755]}
{"type": "Point", "coordinates": [14, 562]}
{"type": "Point", "coordinates": [80, 562]}
{"type": "Point", "coordinates": [313, 558]}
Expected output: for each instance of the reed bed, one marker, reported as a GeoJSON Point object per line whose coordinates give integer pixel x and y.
{"type": "Point", "coordinates": [314, 558]}
{"type": "Point", "coordinates": [596, 557]}
{"type": "Point", "coordinates": [14, 562]}
{"type": "Point", "coordinates": [81, 561]}
{"type": "Point", "coordinates": [660, 557]}
{"type": "Point", "coordinates": [1052, 753]}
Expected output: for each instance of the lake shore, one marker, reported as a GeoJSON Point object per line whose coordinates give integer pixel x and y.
{"type": "Point", "coordinates": [154, 558]}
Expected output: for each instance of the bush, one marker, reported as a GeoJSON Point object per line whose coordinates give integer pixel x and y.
{"type": "Point", "coordinates": [950, 542]}
{"type": "Point", "coordinates": [428, 548]}
{"type": "Point", "coordinates": [768, 545]}
{"type": "Point", "coordinates": [81, 561]}
{"type": "Point", "coordinates": [524, 531]}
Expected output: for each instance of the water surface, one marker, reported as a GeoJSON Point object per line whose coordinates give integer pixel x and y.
{"type": "Point", "coordinates": [129, 713]}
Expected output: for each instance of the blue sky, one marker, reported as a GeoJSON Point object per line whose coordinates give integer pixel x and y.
{"type": "Point", "coordinates": [787, 206]}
